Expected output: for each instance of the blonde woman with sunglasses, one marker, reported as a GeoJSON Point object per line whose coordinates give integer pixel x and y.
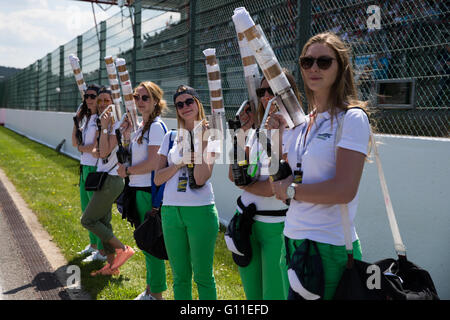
{"type": "Point", "coordinates": [143, 147]}
{"type": "Point", "coordinates": [189, 216]}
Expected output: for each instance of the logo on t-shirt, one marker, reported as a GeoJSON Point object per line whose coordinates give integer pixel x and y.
{"type": "Point", "coordinates": [324, 136]}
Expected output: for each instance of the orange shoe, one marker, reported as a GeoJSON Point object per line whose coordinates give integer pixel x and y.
{"type": "Point", "coordinates": [122, 256]}
{"type": "Point", "coordinates": [106, 271]}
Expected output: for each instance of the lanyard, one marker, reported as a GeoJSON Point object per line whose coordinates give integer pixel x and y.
{"type": "Point", "coordinates": [306, 142]}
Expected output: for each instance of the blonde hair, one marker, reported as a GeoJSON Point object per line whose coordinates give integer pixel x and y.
{"type": "Point", "coordinates": [161, 105]}
{"type": "Point", "coordinates": [343, 92]}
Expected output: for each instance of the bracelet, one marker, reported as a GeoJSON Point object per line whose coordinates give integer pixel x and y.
{"type": "Point", "coordinates": [126, 171]}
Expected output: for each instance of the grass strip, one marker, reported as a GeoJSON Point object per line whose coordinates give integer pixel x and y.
{"type": "Point", "coordinates": [48, 182]}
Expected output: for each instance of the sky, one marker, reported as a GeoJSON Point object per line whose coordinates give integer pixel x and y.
{"type": "Point", "coordinates": [29, 29]}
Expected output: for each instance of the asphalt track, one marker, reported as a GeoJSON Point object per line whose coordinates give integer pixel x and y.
{"type": "Point", "coordinates": [31, 265]}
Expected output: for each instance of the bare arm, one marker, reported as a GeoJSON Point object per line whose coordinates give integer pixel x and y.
{"type": "Point", "coordinates": [163, 173]}
{"type": "Point", "coordinates": [338, 190]}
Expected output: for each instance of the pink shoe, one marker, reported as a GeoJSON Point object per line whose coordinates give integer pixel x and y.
{"type": "Point", "coordinates": [122, 256]}
{"type": "Point", "coordinates": [106, 271]}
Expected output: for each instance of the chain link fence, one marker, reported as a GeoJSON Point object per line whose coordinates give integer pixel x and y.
{"type": "Point", "coordinates": [400, 53]}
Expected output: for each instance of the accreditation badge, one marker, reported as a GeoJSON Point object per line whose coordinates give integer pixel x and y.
{"type": "Point", "coordinates": [182, 184]}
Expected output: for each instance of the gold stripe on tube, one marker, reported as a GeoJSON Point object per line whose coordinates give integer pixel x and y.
{"type": "Point", "coordinates": [114, 87]}
{"type": "Point", "coordinates": [214, 76]}
{"type": "Point", "coordinates": [128, 97]}
{"type": "Point", "coordinates": [217, 104]}
{"type": "Point", "coordinates": [252, 33]}
{"type": "Point", "coordinates": [211, 60]}
{"type": "Point", "coordinates": [109, 60]}
{"type": "Point", "coordinates": [112, 76]}
{"type": "Point", "coordinates": [115, 96]}
{"type": "Point", "coordinates": [80, 82]}
{"type": "Point", "coordinates": [216, 93]}
{"type": "Point", "coordinates": [240, 36]}
{"type": "Point", "coordinates": [76, 71]}
{"type": "Point", "coordinates": [272, 72]}
{"type": "Point", "coordinates": [124, 78]}
{"type": "Point", "coordinates": [122, 68]}
{"type": "Point", "coordinates": [248, 61]}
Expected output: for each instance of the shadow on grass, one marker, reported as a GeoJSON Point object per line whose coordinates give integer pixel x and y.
{"type": "Point", "coordinates": [94, 285]}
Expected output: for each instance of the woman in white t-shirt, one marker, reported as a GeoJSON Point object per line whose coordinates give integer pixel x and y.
{"type": "Point", "coordinates": [189, 216]}
{"type": "Point", "coordinates": [85, 142]}
{"type": "Point", "coordinates": [98, 214]}
{"type": "Point", "coordinates": [143, 148]}
{"type": "Point", "coordinates": [330, 169]}
{"type": "Point", "coordinates": [263, 272]}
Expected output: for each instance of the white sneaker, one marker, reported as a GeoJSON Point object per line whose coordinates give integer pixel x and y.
{"type": "Point", "coordinates": [96, 256]}
{"type": "Point", "coordinates": [88, 249]}
{"type": "Point", "coordinates": [144, 296]}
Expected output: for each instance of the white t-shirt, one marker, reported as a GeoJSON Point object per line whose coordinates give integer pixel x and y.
{"type": "Point", "coordinates": [190, 198]}
{"type": "Point", "coordinates": [321, 222]}
{"type": "Point", "coordinates": [153, 137]}
{"type": "Point", "coordinates": [89, 131]}
{"type": "Point", "coordinates": [261, 203]}
{"type": "Point", "coordinates": [112, 159]}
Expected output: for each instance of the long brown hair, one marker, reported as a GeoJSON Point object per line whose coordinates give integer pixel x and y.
{"type": "Point", "coordinates": [343, 93]}
{"type": "Point", "coordinates": [161, 105]}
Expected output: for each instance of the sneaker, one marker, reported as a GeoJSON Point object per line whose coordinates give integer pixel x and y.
{"type": "Point", "coordinates": [122, 257]}
{"type": "Point", "coordinates": [88, 249]}
{"type": "Point", "coordinates": [96, 256]}
{"type": "Point", "coordinates": [106, 271]}
{"type": "Point", "coordinates": [144, 296]}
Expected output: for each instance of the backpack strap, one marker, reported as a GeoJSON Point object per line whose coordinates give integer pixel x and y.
{"type": "Point", "coordinates": [158, 192]}
{"type": "Point", "coordinates": [398, 243]}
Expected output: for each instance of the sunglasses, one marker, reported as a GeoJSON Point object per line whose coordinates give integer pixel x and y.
{"type": "Point", "coordinates": [105, 101]}
{"type": "Point", "coordinates": [90, 95]}
{"type": "Point", "coordinates": [138, 97]}
{"type": "Point", "coordinates": [323, 62]}
{"type": "Point", "coordinates": [260, 92]}
{"type": "Point", "coordinates": [180, 104]}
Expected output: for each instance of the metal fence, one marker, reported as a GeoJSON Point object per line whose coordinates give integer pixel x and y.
{"type": "Point", "coordinates": [399, 41]}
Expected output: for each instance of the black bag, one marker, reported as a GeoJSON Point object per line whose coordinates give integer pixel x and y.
{"type": "Point", "coordinates": [94, 181]}
{"type": "Point", "coordinates": [305, 272]}
{"type": "Point", "coordinates": [149, 235]}
{"type": "Point", "coordinates": [386, 279]}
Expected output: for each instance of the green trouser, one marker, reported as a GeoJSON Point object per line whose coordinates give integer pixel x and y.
{"type": "Point", "coordinates": [85, 197]}
{"type": "Point", "coordinates": [190, 235]}
{"type": "Point", "coordinates": [334, 261]}
{"type": "Point", "coordinates": [265, 278]}
{"type": "Point", "coordinates": [98, 214]}
{"type": "Point", "coordinates": [156, 268]}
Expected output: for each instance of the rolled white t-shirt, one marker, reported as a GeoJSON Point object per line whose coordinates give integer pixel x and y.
{"type": "Point", "coordinates": [191, 197]}
{"type": "Point", "coordinates": [322, 222]}
{"type": "Point", "coordinates": [153, 137]}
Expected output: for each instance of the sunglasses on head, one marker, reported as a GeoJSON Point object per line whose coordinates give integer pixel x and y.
{"type": "Point", "coordinates": [323, 62]}
{"type": "Point", "coordinates": [90, 95]}
{"type": "Point", "coordinates": [180, 104]}
{"type": "Point", "coordinates": [260, 92]}
{"type": "Point", "coordinates": [138, 97]}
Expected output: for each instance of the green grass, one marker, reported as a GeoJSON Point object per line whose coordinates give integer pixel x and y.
{"type": "Point", "coordinates": [48, 182]}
